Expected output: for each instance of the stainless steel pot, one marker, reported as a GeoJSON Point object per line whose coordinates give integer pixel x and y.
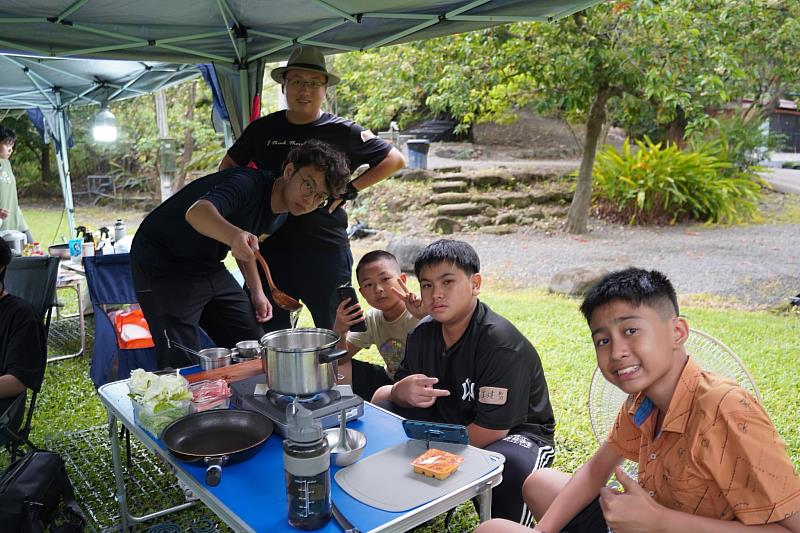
{"type": "Point", "coordinates": [211, 358]}
{"type": "Point", "coordinates": [299, 361]}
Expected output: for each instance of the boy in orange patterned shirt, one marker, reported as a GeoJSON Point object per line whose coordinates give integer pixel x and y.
{"type": "Point", "coordinates": [709, 457]}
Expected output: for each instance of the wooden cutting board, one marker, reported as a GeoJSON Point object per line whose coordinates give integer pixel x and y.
{"type": "Point", "coordinates": [229, 373]}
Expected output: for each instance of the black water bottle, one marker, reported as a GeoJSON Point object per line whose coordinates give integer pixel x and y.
{"type": "Point", "coordinates": [306, 465]}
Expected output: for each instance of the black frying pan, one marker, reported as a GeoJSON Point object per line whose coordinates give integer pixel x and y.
{"type": "Point", "coordinates": [215, 436]}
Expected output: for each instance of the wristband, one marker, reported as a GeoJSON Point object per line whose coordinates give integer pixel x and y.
{"type": "Point", "coordinates": [350, 193]}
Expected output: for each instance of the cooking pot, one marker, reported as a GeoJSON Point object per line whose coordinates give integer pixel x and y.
{"type": "Point", "coordinates": [211, 358]}
{"type": "Point", "coordinates": [15, 240]}
{"type": "Point", "coordinates": [298, 362]}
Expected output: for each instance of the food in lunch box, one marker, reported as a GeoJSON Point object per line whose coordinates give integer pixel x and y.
{"type": "Point", "coordinates": [437, 463]}
{"type": "Point", "coordinates": [210, 394]}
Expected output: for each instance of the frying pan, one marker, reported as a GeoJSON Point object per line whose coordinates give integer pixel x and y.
{"type": "Point", "coordinates": [216, 436]}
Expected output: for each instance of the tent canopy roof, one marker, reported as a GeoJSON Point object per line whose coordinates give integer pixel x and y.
{"type": "Point", "coordinates": [236, 31]}
{"type": "Point", "coordinates": [29, 82]}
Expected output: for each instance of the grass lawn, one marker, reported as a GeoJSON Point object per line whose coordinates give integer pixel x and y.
{"type": "Point", "coordinates": [766, 342]}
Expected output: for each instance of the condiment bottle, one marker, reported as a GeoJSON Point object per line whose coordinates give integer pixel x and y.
{"type": "Point", "coordinates": [306, 464]}
{"type": "Point", "coordinates": [119, 230]}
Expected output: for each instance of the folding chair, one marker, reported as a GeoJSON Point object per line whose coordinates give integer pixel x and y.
{"type": "Point", "coordinates": [111, 286]}
{"type": "Point", "coordinates": [34, 280]}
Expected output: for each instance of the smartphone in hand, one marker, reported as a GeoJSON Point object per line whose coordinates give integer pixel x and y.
{"type": "Point", "coordinates": [345, 292]}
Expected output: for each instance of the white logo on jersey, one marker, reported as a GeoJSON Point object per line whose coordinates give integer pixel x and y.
{"type": "Point", "coordinates": [469, 390]}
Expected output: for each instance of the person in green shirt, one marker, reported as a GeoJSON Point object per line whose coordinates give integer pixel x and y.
{"type": "Point", "coordinates": [10, 213]}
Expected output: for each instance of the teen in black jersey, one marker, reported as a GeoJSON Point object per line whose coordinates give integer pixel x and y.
{"type": "Point", "coordinates": [467, 365]}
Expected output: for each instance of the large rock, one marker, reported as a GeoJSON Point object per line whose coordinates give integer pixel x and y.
{"type": "Point", "coordinates": [506, 218]}
{"type": "Point", "coordinates": [575, 281]}
{"type": "Point", "coordinates": [552, 197]}
{"type": "Point", "coordinates": [451, 198]}
{"type": "Point", "coordinates": [483, 179]}
{"type": "Point", "coordinates": [449, 186]}
{"type": "Point", "coordinates": [515, 199]}
{"type": "Point", "coordinates": [406, 250]}
{"type": "Point", "coordinates": [446, 225]}
{"type": "Point", "coordinates": [478, 221]}
{"type": "Point", "coordinates": [458, 210]}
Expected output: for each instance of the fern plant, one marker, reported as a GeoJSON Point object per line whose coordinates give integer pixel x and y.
{"type": "Point", "coordinates": [659, 182]}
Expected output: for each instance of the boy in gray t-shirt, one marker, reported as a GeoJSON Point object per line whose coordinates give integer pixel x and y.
{"type": "Point", "coordinates": [395, 312]}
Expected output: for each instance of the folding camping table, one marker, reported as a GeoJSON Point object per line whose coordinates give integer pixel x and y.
{"type": "Point", "coordinates": [252, 496]}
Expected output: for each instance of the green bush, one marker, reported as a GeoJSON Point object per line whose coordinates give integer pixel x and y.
{"type": "Point", "coordinates": [657, 183]}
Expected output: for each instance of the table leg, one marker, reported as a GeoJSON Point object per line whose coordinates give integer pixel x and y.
{"type": "Point", "coordinates": [485, 499]}
{"type": "Point", "coordinates": [118, 476]}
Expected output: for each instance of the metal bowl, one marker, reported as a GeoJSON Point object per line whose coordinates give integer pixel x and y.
{"type": "Point", "coordinates": [357, 441]}
{"type": "Point", "coordinates": [248, 349]}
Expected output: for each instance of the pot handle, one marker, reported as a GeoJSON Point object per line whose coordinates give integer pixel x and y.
{"type": "Point", "coordinates": [214, 469]}
{"type": "Point", "coordinates": [331, 355]}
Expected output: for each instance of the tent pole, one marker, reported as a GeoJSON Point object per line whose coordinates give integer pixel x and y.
{"type": "Point", "coordinates": [63, 165]}
{"type": "Point", "coordinates": [244, 85]}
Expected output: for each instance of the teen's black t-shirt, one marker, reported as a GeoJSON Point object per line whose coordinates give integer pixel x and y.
{"type": "Point", "coordinates": [493, 373]}
{"type": "Point", "coordinates": [268, 140]}
{"type": "Point", "coordinates": [22, 342]}
{"type": "Point", "coordinates": [165, 244]}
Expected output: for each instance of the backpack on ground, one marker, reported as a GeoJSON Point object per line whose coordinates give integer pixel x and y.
{"type": "Point", "coordinates": [31, 490]}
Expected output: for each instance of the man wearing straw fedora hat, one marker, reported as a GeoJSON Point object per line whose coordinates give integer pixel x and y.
{"type": "Point", "coordinates": [310, 255]}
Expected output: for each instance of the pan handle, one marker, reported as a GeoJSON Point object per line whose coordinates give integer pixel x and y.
{"type": "Point", "coordinates": [331, 355]}
{"type": "Point", "coordinates": [214, 469]}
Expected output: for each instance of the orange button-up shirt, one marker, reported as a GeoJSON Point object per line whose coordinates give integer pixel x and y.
{"type": "Point", "coordinates": [718, 454]}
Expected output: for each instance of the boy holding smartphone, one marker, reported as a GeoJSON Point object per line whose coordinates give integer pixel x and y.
{"type": "Point", "coordinates": [395, 311]}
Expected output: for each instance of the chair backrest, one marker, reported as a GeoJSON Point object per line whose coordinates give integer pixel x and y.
{"type": "Point", "coordinates": [34, 280]}
{"type": "Point", "coordinates": [708, 352]}
{"type": "Point", "coordinates": [110, 283]}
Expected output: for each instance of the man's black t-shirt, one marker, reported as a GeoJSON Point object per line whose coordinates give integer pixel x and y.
{"type": "Point", "coordinates": [493, 373]}
{"type": "Point", "coordinates": [22, 342]}
{"type": "Point", "coordinates": [268, 140]}
{"type": "Point", "coordinates": [165, 244]}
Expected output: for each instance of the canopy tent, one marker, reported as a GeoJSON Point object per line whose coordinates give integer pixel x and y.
{"type": "Point", "coordinates": [53, 85]}
{"type": "Point", "coordinates": [238, 36]}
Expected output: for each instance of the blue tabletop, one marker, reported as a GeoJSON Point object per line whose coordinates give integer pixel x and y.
{"type": "Point", "coordinates": [253, 490]}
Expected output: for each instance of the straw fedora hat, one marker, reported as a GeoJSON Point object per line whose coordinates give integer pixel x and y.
{"type": "Point", "coordinates": [308, 58]}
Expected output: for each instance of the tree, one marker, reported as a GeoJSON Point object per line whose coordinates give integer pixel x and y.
{"type": "Point", "coordinates": [674, 64]}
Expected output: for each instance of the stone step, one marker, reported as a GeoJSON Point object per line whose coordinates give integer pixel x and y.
{"type": "Point", "coordinates": [459, 210]}
{"type": "Point", "coordinates": [451, 198]}
{"type": "Point", "coordinates": [449, 186]}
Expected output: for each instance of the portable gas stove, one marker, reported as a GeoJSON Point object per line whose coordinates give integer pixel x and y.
{"type": "Point", "coordinates": [326, 406]}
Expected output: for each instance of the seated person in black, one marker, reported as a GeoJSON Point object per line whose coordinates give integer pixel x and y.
{"type": "Point", "coordinates": [176, 256]}
{"type": "Point", "coordinates": [23, 347]}
{"type": "Point", "coordinates": [488, 376]}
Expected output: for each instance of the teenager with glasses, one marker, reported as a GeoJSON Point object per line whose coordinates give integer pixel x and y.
{"type": "Point", "coordinates": [310, 256]}
{"type": "Point", "coordinates": [177, 253]}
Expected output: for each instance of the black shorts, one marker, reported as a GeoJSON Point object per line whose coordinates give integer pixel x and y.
{"type": "Point", "coordinates": [367, 378]}
{"type": "Point", "coordinates": [588, 520]}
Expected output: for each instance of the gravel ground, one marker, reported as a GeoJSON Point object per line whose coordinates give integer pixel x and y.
{"type": "Point", "coordinates": [756, 266]}
{"type": "Point", "coordinates": [747, 266]}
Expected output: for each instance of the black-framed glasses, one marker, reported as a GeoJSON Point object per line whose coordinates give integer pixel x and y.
{"type": "Point", "coordinates": [308, 188]}
{"type": "Point", "coordinates": [311, 84]}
